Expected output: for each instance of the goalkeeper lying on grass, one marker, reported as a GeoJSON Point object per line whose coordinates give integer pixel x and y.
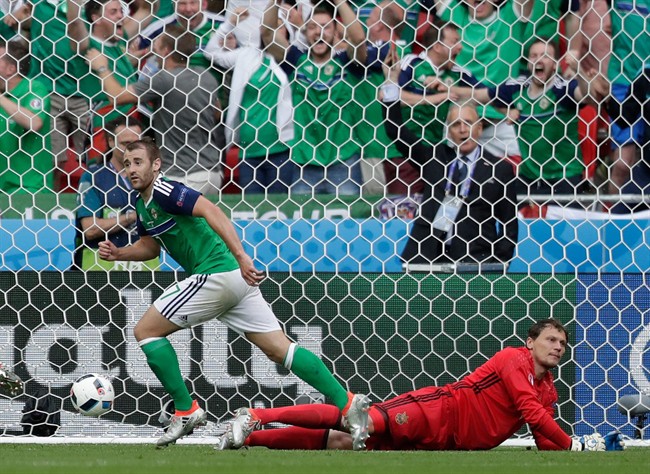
{"type": "Point", "coordinates": [480, 411]}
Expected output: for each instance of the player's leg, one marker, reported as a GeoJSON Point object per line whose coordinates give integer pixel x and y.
{"type": "Point", "coordinates": [248, 420]}
{"type": "Point", "coordinates": [253, 317]}
{"type": "Point", "coordinates": [296, 438]}
{"type": "Point", "coordinates": [151, 332]}
{"type": "Point", "coordinates": [184, 304]}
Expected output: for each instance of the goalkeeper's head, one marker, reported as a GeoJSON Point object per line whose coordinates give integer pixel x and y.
{"type": "Point", "coordinates": [547, 340]}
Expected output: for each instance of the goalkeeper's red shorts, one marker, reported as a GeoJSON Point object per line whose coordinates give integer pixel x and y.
{"type": "Point", "coordinates": [420, 420]}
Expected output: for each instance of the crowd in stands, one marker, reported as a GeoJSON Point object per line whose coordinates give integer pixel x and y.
{"type": "Point", "coordinates": [284, 96]}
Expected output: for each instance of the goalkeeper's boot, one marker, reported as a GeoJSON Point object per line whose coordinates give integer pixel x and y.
{"type": "Point", "coordinates": [182, 423]}
{"type": "Point", "coordinates": [355, 418]}
{"type": "Point", "coordinates": [241, 427]}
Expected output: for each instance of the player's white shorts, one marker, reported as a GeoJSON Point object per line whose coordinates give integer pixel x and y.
{"type": "Point", "coordinates": [224, 296]}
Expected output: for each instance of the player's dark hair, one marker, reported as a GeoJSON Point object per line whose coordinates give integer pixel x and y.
{"type": "Point", "coordinates": [94, 7]}
{"type": "Point", "coordinates": [537, 328]}
{"type": "Point", "coordinates": [121, 121]}
{"type": "Point", "coordinates": [148, 145]}
{"type": "Point", "coordinates": [17, 53]}
{"type": "Point", "coordinates": [435, 32]}
{"type": "Point", "coordinates": [546, 42]}
{"type": "Point", "coordinates": [181, 42]}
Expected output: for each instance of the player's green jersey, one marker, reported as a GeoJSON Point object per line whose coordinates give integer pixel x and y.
{"type": "Point", "coordinates": [53, 61]}
{"type": "Point", "coordinates": [325, 114]}
{"type": "Point", "coordinates": [492, 47]}
{"type": "Point", "coordinates": [123, 71]}
{"type": "Point", "coordinates": [547, 129]}
{"type": "Point", "coordinates": [203, 33]}
{"type": "Point", "coordinates": [25, 156]}
{"type": "Point", "coordinates": [167, 217]}
{"type": "Point", "coordinates": [630, 39]}
{"type": "Point", "coordinates": [258, 132]}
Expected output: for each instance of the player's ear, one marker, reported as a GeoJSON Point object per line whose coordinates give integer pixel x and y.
{"type": "Point", "coordinates": [529, 342]}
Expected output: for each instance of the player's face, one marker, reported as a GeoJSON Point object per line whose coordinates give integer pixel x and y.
{"type": "Point", "coordinates": [320, 31]}
{"type": "Point", "coordinates": [451, 46]}
{"type": "Point", "coordinates": [110, 24]}
{"type": "Point", "coordinates": [541, 62]}
{"type": "Point", "coordinates": [140, 169]}
{"type": "Point", "coordinates": [190, 12]}
{"type": "Point", "coordinates": [549, 347]}
{"type": "Point", "coordinates": [464, 129]}
{"type": "Point", "coordinates": [480, 9]}
{"type": "Point", "coordinates": [7, 70]}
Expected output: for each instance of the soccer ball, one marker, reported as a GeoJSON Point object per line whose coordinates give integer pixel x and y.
{"type": "Point", "coordinates": [92, 395]}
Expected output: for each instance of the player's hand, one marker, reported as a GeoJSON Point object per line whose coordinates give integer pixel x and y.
{"type": "Point", "coordinates": [593, 442]}
{"type": "Point", "coordinates": [614, 441]}
{"type": "Point", "coordinates": [96, 59]}
{"type": "Point", "coordinates": [251, 275]}
{"type": "Point", "coordinates": [107, 251]}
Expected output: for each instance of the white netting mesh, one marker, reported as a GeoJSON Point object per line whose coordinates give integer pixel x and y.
{"type": "Point", "coordinates": [291, 142]}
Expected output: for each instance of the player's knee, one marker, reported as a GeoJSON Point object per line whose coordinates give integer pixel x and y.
{"type": "Point", "coordinates": [274, 345]}
{"type": "Point", "coordinates": [339, 440]}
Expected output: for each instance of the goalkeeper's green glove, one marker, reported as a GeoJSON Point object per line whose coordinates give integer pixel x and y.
{"type": "Point", "coordinates": [593, 442]}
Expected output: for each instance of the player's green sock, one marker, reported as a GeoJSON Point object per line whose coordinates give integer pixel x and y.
{"type": "Point", "coordinates": [311, 369]}
{"type": "Point", "coordinates": [162, 359]}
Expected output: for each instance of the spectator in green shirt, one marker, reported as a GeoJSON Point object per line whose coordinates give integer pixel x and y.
{"type": "Point", "coordinates": [25, 153]}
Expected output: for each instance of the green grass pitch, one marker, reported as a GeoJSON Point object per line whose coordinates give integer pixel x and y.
{"type": "Point", "coordinates": [193, 459]}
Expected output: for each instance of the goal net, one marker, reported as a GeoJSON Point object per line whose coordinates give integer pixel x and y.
{"type": "Point", "coordinates": [332, 253]}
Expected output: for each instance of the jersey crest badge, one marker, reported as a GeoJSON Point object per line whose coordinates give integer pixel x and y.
{"type": "Point", "coordinates": [401, 418]}
{"type": "Point", "coordinates": [154, 214]}
{"type": "Point", "coordinates": [544, 103]}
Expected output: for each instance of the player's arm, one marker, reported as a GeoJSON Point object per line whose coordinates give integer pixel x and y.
{"type": "Point", "coordinates": [274, 42]}
{"type": "Point", "coordinates": [95, 228]}
{"type": "Point", "coordinates": [354, 32]}
{"type": "Point", "coordinates": [77, 29]}
{"type": "Point", "coordinates": [21, 115]}
{"type": "Point", "coordinates": [111, 87]}
{"type": "Point", "coordinates": [218, 221]}
{"type": "Point", "coordinates": [144, 249]}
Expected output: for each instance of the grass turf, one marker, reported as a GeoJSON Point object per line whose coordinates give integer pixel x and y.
{"type": "Point", "coordinates": [144, 459]}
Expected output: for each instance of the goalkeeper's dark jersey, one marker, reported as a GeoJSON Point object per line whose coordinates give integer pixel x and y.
{"type": "Point", "coordinates": [167, 217]}
{"type": "Point", "coordinates": [495, 400]}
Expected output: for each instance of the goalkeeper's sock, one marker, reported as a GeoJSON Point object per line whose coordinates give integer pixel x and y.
{"type": "Point", "coordinates": [162, 359]}
{"type": "Point", "coordinates": [289, 438]}
{"type": "Point", "coordinates": [305, 416]}
{"type": "Point", "coordinates": [312, 370]}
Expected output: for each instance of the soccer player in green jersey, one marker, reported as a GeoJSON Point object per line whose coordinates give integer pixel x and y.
{"type": "Point", "coordinates": [222, 283]}
{"type": "Point", "coordinates": [25, 154]}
